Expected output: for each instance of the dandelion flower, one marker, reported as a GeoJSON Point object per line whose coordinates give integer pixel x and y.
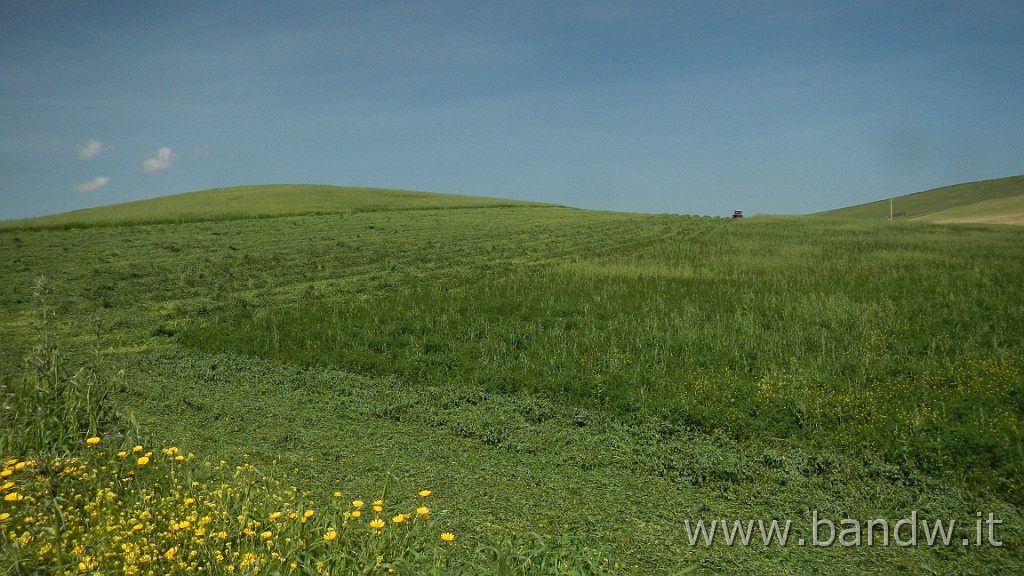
{"type": "Point", "coordinates": [398, 519]}
{"type": "Point", "coordinates": [337, 494]}
{"type": "Point", "coordinates": [423, 510]}
{"type": "Point", "coordinates": [447, 536]}
{"type": "Point", "coordinates": [4, 516]}
{"type": "Point", "coordinates": [137, 449]}
{"type": "Point", "coordinates": [356, 513]}
{"type": "Point", "coordinates": [142, 461]}
{"type": "Point", "coordinates": [13, 497]}
{"type": "Point", "coordinates": [330, 535]}
{"type": "Point", "coordinates": [171, 451]}
{"type": "Point", "coordinates": [92, 441]}
{"type": "Point", "coordinates": [424, 493]}
{"type": "Point", "coordinates": [357, 503]}
{"type": "Point", "coordinates": [377, 524]}
{"type": "Point", "coordinates": [267, 535]}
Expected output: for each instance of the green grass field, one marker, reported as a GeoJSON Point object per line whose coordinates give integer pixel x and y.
{"type": "Point", "coordinates": [999, 201]}
{"type": "Point", "coordinates": [604, 376]}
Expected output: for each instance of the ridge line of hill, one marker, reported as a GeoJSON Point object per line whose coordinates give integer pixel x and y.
{"type": "Point", "coordinates": [262, 201]}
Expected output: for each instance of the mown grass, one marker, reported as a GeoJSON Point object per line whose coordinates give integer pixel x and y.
{"type": "Point", "coordinates": [997, 211]}
{"type": "Point", "coordinates": [704, 327]}
{"type": "Point", "coordinates": [569, 372]}
{"type": "Point", "coordinates": [931, 204]}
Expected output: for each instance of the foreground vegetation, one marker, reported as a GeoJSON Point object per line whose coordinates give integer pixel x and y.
{"type": "Point", "coordinates": [107, 505]}
{"type": "Point", "coordinates": [595, 377]}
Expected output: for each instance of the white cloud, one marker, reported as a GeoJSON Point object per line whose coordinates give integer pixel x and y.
{"type": "Point", "coordinates": [94, 184]}
{"type": "Point", "coordinates": [91, 149]}
{"type": "Point", "coordinates": [159, 161]}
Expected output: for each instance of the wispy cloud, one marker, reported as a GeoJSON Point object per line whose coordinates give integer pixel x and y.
{"type": "Point", "coordinates": [159, 161]}
{"type": "Point", "coordinates": [202, 151]}
{"type": "Point", "coordinates": [91, 149]}
{"type": "Point", "coordinates": [92, 185]}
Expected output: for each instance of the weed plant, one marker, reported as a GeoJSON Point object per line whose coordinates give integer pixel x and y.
{"type": "Point", "coordinates": [47, 406]}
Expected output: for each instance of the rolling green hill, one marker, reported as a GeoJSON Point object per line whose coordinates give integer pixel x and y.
{"type": "Point", "coordinates": [999, 201]}
{"type": "Point", "coordinates": [260, 202]}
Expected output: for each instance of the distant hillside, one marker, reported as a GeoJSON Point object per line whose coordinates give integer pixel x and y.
{"type": "Point", "coordinates": [264, 201]}
{"type": "Point", "coordinates": [999, 201]}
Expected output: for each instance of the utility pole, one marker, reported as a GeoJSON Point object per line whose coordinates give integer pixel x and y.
{"type": "Point", "coordinates": [890, 208]}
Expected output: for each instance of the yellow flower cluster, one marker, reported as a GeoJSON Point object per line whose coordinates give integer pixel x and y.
{"type": "Point", "coordinates": [161, 511]}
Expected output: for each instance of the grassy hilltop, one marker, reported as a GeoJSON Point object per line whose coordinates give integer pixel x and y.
{"type": "Point", "coordinates": [264, 201]}
{"type": "Point", "coordinates": [999, 201]}
{"type": "Point", "coordinates": [595, 377]}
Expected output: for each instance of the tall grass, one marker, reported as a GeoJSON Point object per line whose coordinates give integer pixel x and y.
{"type": "Point", "coordinates": [50, 407]}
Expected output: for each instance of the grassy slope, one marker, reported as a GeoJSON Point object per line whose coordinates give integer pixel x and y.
{"type": "Point", "coordinates": [259, 202]}
{"type": "Point", "coordinates": [974, 200]}
{"type": "Point", "coordinates": [996, 211]}
{"type": "Point", "coordinates": [779, 316]}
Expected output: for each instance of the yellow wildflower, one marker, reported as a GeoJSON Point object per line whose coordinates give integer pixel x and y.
{"type": "Point", "coordinates": [447, 536]}
{"type": "Point", "coordinates": [92, 441]}
{"type": "Point", "coordinates": [424, 493]}
{"type": "Point", "coordinates": [377, 524]}
{"type": "Point", "coordinates": [357, 503]}
{"type": "Point", "coordinates": [142, 461]}
{"type": "Point", "coordinates": [330, 535]}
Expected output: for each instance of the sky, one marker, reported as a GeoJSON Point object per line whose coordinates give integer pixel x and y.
{"type": "Point", "coordinates": [685, 107]}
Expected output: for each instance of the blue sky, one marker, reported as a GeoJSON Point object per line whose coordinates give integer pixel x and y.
{"type": "Point", "coordinates": [696, 107]}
